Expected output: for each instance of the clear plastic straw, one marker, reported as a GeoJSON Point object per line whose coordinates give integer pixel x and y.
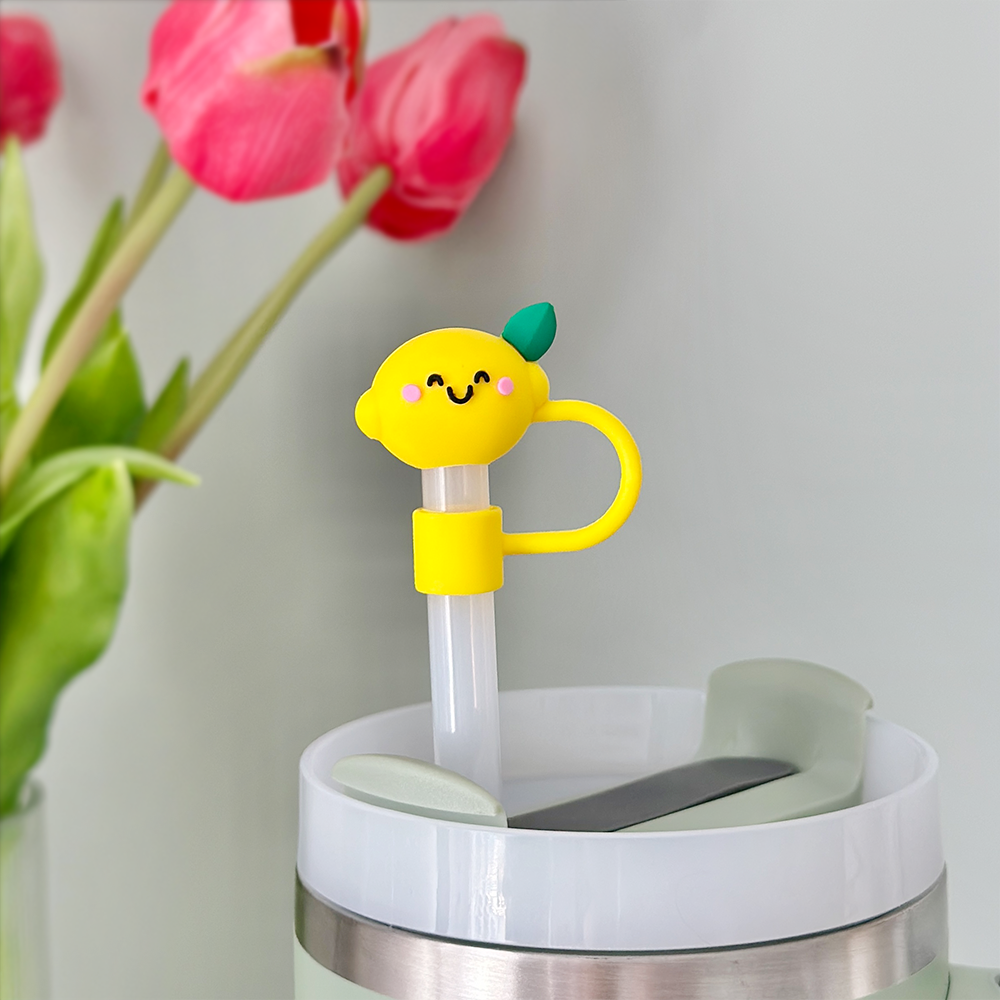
{"type": "Point", "coordinates": [463, 652]}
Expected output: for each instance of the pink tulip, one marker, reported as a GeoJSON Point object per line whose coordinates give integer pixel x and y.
{"type": "Point", "coordinates": [29, 77]}
{"type": "Point", "coordinates": [438, 112]}
{"type": "Point", "coordinates": [245, 109]}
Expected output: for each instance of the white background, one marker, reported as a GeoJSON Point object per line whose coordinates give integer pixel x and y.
{"type": "Point", "coordinates": [770, 231]}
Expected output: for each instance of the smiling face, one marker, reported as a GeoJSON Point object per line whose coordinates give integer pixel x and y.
{"type": "Point", "coordinates": [452, 397]}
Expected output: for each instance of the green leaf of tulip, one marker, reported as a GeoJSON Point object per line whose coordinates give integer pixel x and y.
{"type": "Point", "coordinates": [9, 409]}
{"type": "Point", "coordinates": [50, 478]}
{"type": "Point", "coordinates": [166, 411]}
{"type": "Point", "coordinates": [103, 403]}
{"type": "Point", "coordinates": [20, 276]}
{"type": "Point", "coordinates": [61, 585]}
{"type": "Point", "coordinates": [109, 234]}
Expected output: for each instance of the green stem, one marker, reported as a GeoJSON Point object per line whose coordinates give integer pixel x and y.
{"type": "Point", "coordinates": [225, 368]}
{"type": "Point", "coordinates": [86, 327]}
{"type": "Point", "coordinates": [153, 179]}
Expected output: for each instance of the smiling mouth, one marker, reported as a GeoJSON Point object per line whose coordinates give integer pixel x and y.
{"type": "Point", "coordinates": [464, 399]}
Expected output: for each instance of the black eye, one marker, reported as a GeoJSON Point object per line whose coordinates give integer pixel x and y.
{"type": "Point", "coordinates": [480, 377]}
{"type": "Point", "coordinates": [435, 380]}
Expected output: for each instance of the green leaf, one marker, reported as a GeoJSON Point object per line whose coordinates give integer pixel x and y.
{"type": "Point", "coordinates": [20, 274]}
{"type": "Point", "coordinates": [166, 411]}
{"type": "Point", "coordinates": [103, 246]}
{"type": "Point", "coordinates": [61, 585]}
{"type": "Point", "coordinates": [64, 470]}
{"type": "Point", "coordinates": [9, 409]}
{"type": "Point", "coordinates": [531, 330]}
{"type": "Point", "coordinates": [103, 403]}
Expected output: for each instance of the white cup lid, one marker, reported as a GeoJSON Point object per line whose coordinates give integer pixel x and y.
{"type": "Point", "coordinates": [613, 891]}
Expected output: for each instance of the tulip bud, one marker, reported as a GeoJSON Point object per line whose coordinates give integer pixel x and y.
{"type": "Point", "coordinates": [245, 109]}
{"type": "Point", "coordinates": [438, 112]}
{"type": "Point", "coordinates": [29, 77]}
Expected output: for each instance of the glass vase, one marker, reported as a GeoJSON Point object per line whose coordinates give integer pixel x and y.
{"type": "Point", "coordinates": [24, 953]}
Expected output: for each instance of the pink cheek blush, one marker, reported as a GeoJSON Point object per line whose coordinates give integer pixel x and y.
{"type": "Point", "coordinates": [411, 392]}
{"type": "Point", "coordinates": [505, 386]}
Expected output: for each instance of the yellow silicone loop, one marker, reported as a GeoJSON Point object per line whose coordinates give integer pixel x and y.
{"type": "Point", "coordinates": [524, 542]}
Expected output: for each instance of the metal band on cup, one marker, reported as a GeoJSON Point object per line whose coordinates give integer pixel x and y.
{"type": "Point", "coordinates": [849, 963]}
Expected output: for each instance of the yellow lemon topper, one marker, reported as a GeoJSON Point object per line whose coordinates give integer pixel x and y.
{"type": "Point", "coordinates": [450, 402]}
{"type": "Point", "coordinates": [458, 397]}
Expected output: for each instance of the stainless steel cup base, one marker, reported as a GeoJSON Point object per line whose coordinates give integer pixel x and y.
{"type": "Point", "coordinates": [848, 963]}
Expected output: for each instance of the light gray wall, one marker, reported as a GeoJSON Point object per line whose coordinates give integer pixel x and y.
{"type": "Point", "coordinates": [771, 234]}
